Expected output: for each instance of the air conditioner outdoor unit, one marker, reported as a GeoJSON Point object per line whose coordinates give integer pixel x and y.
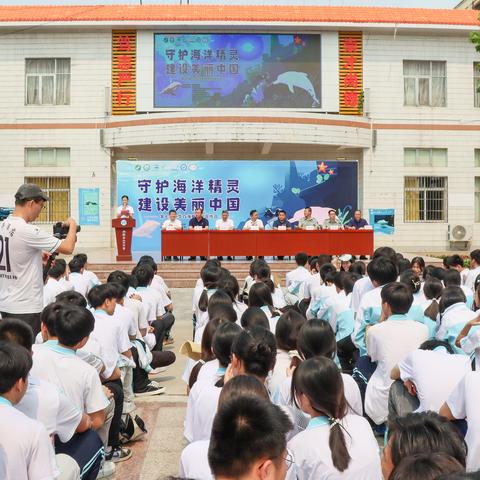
{"type": "Point", "coordinates": [460, 233]}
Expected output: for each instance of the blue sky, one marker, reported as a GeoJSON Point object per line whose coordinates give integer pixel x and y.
{"type": "Point", "coordinates": [390, 3]}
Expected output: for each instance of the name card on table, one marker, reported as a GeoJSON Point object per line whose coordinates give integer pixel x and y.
{"type": "Point", "coordinates": [309, 227]}
{"type": "Point", "coordinates": [198, 227]}
{"type": "Point", "coordinates": [334, 227]}
{"type": "Point", "coordinates": [282, 227]}
{"type": "Point", "coordinates": [170, 227]}
{"type": "Point", "coordinates": [254, 227]}
{"type": "Point", "coordinates": [368, 227]}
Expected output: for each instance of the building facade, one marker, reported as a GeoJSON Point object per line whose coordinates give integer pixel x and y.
{"type": "Point", "coordinates": [77, 96]}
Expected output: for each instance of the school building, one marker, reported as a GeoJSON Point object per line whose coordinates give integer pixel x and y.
{"type": "Point", "coordinates": [398, 94]}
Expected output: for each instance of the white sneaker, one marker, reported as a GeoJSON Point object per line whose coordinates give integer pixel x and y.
{"type": "Point", "coordinates": [107, 470]}
{"type": "Point", "coordinates": [158, 370]}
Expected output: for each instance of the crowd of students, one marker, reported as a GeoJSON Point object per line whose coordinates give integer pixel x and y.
{"type": "Point", "coordinates": [68, 387]}
{"type": "Point", "coordinates": [350, 371]}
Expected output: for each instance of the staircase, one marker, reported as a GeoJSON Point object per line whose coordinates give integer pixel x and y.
{"type": "Point", "coordinates": [185, 274]}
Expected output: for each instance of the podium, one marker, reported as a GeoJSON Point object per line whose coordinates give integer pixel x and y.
{"type": "Point", "coordinates": [123, 232]}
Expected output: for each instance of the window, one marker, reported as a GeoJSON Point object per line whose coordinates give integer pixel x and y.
{"type": "Point", "coordinates": [476, 84]}
{"type": "Point", "coordinates": [477, 157]}
{"type": "Point", "coordinates": [47, 81]}
{"type": "Point", "coordinates": [58, 189]}
{"type": "Point", "coordinates": [47, 157]}
{"type": "Point", "coordinates": [425, 199]}
{"type": "Point", "coordinates": [425, 83]}
{"type": "Point", "coordinates": [425, 157]}
{"type": "Point", "coordinates": [477, 199]}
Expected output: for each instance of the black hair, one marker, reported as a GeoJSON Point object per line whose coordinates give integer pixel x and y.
{"type": "Point", "coordinates": [382, 271]}
{"type": "Point", "coordinates": [144, 274]}
{"type": "Point", "coordinates": [246, 428]}
{"type": "Point", "coordinates": [287, 328]}
{"type": "Point", "coordinates": [264, 274]}
{"type": "Point", "coordinates": [224, 312]}
{"type": "Point", "coordinates": [425, 433]}
{"type": "Point", "coordinates": [98, 294]}
{"type": "Point", "coordinates": [125, 196]}
{"type": "Point", "coordinates": [475, 255]}
{"type": "Point", "coordinates": [229, 284]}
{"type": "Point", "coordinates": [49, 316]}
{"type": "Point", "coordinates": [433, 344]}
{"type": "Point", "coordinates": [199, 208]}
{"type": "Point", "coordinates": [332, 210]}
{"type": "Point", "coordinates": [316, 339]}
{"type": "Point", "coordinates": [455, 261]}
{"type": "Point", "coordinates": [75, 265]}
{"type": "Point", "coordinates": [172, 211]}
{"type": "Point", "coordinates": [241, 385]}
{"type": "Point", "coordinates": [260, 295]}
{"type": "Point", "coordinates": [254, 316]}
{"type": "Point", "coordinates": [281, 211]}
{"type": "Point", "coordinates": [82, 257]}
{"type": "Point", "coordinates": [149, 260]}
{"type": "Point", "coordinates": [432, 288]}
{"type": "Point", "coordinates": [121, 291]}
{"type": "Point", "coordinates": [452, 278]}
{"type": "Point", "coordinates": [222, 342]}
{"type": "Point", "coordinates": [398, 296]}
{"type": "Point", "coordinates": [16, 331]}
{"type": "Point", "coordinates": [255, 265]}
{"type": "Point", "coordinates": [252, 212]}
{"type": "Point", "coordinates": [73, 297]}
{"type": "Point", "coordinates": [338, 279]}
{"type": "Point", "coordinates": [210, 275]}
{"type": "Point", "coordinates": [119, 277]}
{"type": "Point", "coordinates": [386, 252]}
{"type": "Point", "coordinates": [224, 211]}
{"type": "Point", "coordinates": [301, 259]}
{"type": "Point", "coordinates": [320, 380]}
{"type": "Point", "coordinates": [404, 264]}
{"type": "Point", "coordinates": [325, 269]}
{"type": "Point", "coordinates": [15, 363]}
{"type": "Point", "coordinates": [257, 350]}
{"type": "Point", "coordinates": [308, 208]}
{"type": "Point", "coordinates": [322, 259]}
{"type": "Point", "coordinates": [219, 297]}
{"type": "Point", "coordinates": [312, 262]}
{"type": "Point", "coordinates": [431, 466]}
{"type": "Point", "coordinates": [411, 280]}
{"type": "Point", "coordinates": [58, 268]}
{"type": "Point", "coordinates": [435, 272]}
{"type": "Point", "coordinates": [419, 261]}
{"type": "Point", "coordinates": [349, 280]}
{"type": "Point", "coordinates": [73, 324]}
{"type": "Point", "coordinates": [451, 296]}
{"type": "Point", "coordinates": [358, 267]}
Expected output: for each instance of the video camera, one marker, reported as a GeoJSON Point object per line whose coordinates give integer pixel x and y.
{"type": "Point", "coordinates": [60, 231]}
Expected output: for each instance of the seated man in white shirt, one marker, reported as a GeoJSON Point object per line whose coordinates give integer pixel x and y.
{"type": "Point", "coordinates": [172, 224]}
{"type": "Point", "coordinates": [425, 378]}
{"type": "Point", "coordinates": [224, 223]}
{"type": "Point", "coordinates": [26, 449]}
{"type": "Point", "coordinates": [388, 343]}
{"type": "Point", "coordinates": [44, 402]}
{"type": "Point", "coordinates": [76, 278]}
{"type": "Point", "coordinates": [253, 224]}
{"type": "Point", "coordinates": [53, 285]}
{"type": "Point", "coordinates": [125, 210]}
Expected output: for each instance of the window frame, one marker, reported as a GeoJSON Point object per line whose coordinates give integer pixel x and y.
{"type": "Point", "coordinates": [40, 82]}
{"type": "Point", "coordinates": [422, 149]}
{"type": "Point", "coordinates": [423, 192]}
{"type": "Point", "coordinates": [40, 150]}
{"type": "Point", "coordinates": [476, 198]}
{"type": "Point", "coordinates": [48, 190]}
{"type": "Point", "coordinates": [429, 77]}
{"type": "Point", "coordinates": [476, 84]}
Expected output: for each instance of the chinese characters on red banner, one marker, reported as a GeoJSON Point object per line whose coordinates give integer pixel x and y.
{"type": "Point", "coordinates": [123, 72]}
{"type": "Point", "coordinates": [350, 72]}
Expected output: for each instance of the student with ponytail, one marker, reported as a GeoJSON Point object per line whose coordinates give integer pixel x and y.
{"type": "Point", "coordinates": [260, 296]}
{"type": "Point", "coordinates": [336, 443]}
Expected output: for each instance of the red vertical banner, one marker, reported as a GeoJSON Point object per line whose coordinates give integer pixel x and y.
{"type": "Point", "coordinates": [350, 72]}
{"type": "Point", "coordinates": [124, 72]}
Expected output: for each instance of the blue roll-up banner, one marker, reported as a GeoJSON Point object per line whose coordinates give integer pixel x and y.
{"type": "Point", "coordinates": [89, 206]}
{"type": "Point", "coordinates": [155, 187]}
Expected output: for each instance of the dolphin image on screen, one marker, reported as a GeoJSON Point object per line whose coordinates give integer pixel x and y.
{"type": "Point", "coordinates": [147, 229]}
{"type": "Point", "coordinates": [171, 89]}
{"type": "Point", "coordinates": [298, 80]}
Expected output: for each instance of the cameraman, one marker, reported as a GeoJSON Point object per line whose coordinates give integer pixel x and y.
{"type": "Point", "coordinates": [22, 249]}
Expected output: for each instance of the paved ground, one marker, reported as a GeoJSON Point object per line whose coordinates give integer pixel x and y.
{"type": "Point", "coordinates": [157, 456]}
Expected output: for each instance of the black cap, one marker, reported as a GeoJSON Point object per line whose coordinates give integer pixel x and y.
{"type": "Point", "coordinates": [30, 191]}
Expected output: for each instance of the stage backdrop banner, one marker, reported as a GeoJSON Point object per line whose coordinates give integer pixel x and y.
{"type": "Point", "coordinates": [155, 187]}
{"type": "Point", "coordinates": [237, 70]}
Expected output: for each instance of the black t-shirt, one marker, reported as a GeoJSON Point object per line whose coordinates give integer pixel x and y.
{"type": "Point", "coordinates": [203, 222]}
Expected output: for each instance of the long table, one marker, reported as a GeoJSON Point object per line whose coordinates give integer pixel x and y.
{"type": "Point", "coordinates": [212, 243]}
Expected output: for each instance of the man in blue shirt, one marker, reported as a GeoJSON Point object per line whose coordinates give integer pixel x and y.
{"type": "Point", "coordinates": [198, 222]}
{"type": "Point", "coordinates": [357, 221]}
{"type": "Point", "coordinates": [281, 224]}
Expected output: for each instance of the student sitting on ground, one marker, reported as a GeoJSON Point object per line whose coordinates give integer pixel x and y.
{"type": "Point", "coordinates": [321, 292]}
{"type": "Point", "coordinates": [297, 279]}
{"type": "Point", "coordinates": [254, 317]}
{"type": "Point", "coordinates": [90, 276]}
{"type": "Point", "coordinates": [260, 296]}
{"type": "Point", "coordinates": [53, 285]}
{"type": "Point", "coordinates": [432, 466]}
{"type": "Point", "coordinates": [249, 440]}
{"type": "Point", "coordinates": [75, 277]}
{"type": "Point", "coordinates": [335, 442]}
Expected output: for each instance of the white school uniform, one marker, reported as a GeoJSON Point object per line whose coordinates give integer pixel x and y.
{"type": "Point", "coordinates": [154, 302]}
{"type": "Point", "coordinates": [127, 319]}
{"type": "Point", "coordinates": [210, 372]}
{"type": "Point", "coordinates": [43, 401]}
{"type": "Point", "coordinates": [26, 452]}
{"type": "Point", "coordinates": [279, 373]}
{"type": "Point", "coordinates": [361, 287]}
{"type": "Point", "coordinates": [139, 315]}
{"type": "Point", "coordinates": [453, 320]}
{"type": "Point", "coordinates": [158, 283]}
{"type": "Point", "coordinates": [463, 403]}
{"type": "Point", "coordinates": [201, 409]}
{"type": "Point", "coordinates": [79, 283]}
{"type": "Point", "coordinates": [278, 299]}
{"type": "Point", "coordinates": [299, 275]}
{"type": "Point", "coordinates": [471, 277]}
{"type": "Point", "coordinates": [388, 343]}
{"type": "Point", "coordinates": [92, 279]}
{"type": "Point", "coordinates": [221, 225]}
{"type": "Point", "coordinates": [110, 333]}
{"type": "Point", "coordinates": [77, 379]}
{"type": "Point", "coordinates": [312, 282]}
{"type": "Point", "coordinates": [313, 457]}
{"type": "Point", "coordinates": [434, 374]}
{"type": "Point", "coordinates": [471, 344]}
{"type": "Point", "coordinates": [51, 289]}
{"type": "Point", "coordinates": [319, 295]}
{"type": "Point", "coordinates": [21, 284]}
{"type": "Point", "coordinates": [239, 308]}
{"type": "Point", "coordinates": [194, 461]}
